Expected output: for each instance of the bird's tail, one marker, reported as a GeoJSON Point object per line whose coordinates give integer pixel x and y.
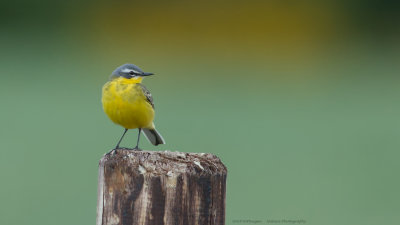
{"type": "Point", "coordinates": [153, 136]}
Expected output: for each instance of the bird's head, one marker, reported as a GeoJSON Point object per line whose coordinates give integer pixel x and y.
{"type": "Point", "coordinates": [129, 71]}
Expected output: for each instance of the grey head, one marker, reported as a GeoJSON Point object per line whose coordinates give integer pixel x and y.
{"type": "Point", "coordinates": [129, 71]}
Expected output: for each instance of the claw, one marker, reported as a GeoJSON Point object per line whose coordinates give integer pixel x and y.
{"type": "Point", "coordinates": [112, 151]}
{"type": "Point", "coordinates": [137, 149]}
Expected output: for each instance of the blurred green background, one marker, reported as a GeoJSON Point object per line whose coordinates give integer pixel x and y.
{"type": "Point", "coordinates": [298, 98]}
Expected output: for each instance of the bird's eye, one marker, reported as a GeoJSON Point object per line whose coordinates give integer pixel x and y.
{"type": "Point", "coordinates": [131, 73]}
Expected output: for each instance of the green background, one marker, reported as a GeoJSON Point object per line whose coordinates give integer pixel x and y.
{"type": "Point", "coordinates": [298, 99]}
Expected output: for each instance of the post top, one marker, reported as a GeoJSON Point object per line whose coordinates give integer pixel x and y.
{"type": "Point", "coordinates": [166, 162]}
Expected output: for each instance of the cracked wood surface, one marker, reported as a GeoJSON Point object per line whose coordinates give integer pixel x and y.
{"type": "Point", "coordinates": [161, 188]}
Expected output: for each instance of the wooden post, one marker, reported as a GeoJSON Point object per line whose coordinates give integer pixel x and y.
{"type": "Point", "coordinates": [161, 188]}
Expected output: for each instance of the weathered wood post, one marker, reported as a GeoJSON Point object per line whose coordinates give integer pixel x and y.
{"type": "Point", "coordinates": [161, 188]}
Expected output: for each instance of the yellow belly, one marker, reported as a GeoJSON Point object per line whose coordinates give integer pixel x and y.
{"type": "Point", "coordinates": [126, 105]}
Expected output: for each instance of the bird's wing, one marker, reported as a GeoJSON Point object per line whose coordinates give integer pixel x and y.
{"type": "Point", "coordinates": [147, 94]}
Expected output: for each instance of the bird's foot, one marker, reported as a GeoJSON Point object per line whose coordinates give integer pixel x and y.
{"type": "Point", "coordinates": [111, 152]}
{"type": "Point", "coordinates": [136, 149]}
{"type": "Point", "coordinates": [116, 149]}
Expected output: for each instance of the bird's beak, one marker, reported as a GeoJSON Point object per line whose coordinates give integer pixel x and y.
{"type": "Point", "coordinates": [146, 74]}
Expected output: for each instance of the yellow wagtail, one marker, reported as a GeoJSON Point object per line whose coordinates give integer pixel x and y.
{"type": "Point", "coordinates": [128, 103]}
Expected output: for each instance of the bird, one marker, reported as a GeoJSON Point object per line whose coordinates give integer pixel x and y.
{"type": "Point", "coordinates": [128, 103]}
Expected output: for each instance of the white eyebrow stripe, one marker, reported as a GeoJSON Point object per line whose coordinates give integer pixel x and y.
{"type": "Point", "coordinates": [126, 70]}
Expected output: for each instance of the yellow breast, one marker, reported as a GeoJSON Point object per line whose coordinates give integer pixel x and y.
{"type": "Point", "coordinates": [125, 104]}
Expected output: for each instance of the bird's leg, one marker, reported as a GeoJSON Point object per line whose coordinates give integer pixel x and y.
{"type": "Point", "coordinates": [117, 147]}
{"type": "Point", "coordinates": [137, 144]}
